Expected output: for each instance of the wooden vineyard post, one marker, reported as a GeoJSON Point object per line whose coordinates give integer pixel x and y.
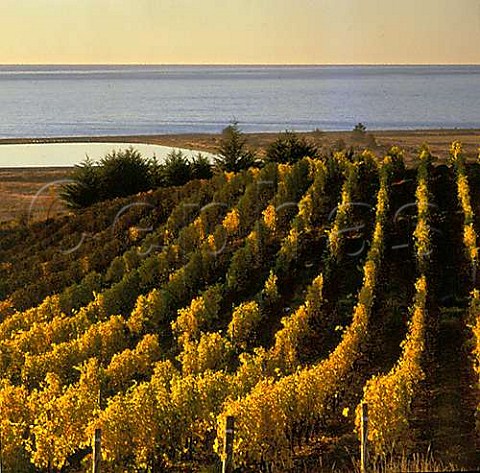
{"type": "Point", "coordinates": [364, 439]}
{"type": "Point", "coordinates": [1, 453]}
{"type": "Point", "coordinates": [227, 466]}
{"type": "Point", "coordinates": [97, 451]}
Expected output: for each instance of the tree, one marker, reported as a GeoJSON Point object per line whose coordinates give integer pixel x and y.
{"type": "Point", "coordinates": [360, 135]}
{"type": "Point", "coordinates": [176, 170]}
{"type": "Point", "coordinates": [123, 173]}
{"type": "Point", "coordinates": [233, 156]}
{"type": "Point", "coordinates": [118, 174]}
{"type": "Point", "coordinates": [201, 167]}
{"type": "Point", "coordinates": [360, 129]}
{"type": "Point", "coordinates": [84, 188]}
{"type": "Point", "coordinates": [289, 148]}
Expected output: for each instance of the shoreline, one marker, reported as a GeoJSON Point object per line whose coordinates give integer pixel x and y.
{"type": "Point", "coordinates": [438, 138]}
{"type": "Point", "coordinates": [156, 138]}
{"type": "Point", "coordinates": [410, 141]}
{"type": "Point", "coordinates": [18, 185]}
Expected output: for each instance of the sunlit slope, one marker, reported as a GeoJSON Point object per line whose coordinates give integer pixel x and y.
{"type": "Point", "coordinates": [283, 296]}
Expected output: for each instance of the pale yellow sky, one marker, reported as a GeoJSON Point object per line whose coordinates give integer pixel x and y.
{"type": "Point", "coordinates": [239, 31]}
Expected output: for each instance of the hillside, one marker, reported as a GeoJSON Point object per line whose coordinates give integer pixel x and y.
{"type": "Point", "coordinates": [283, 296]}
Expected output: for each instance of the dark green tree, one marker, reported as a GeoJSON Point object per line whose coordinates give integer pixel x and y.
{"type": "Point", "coordinates": [359, 132]}
{"type": "Point", "coordinates": [123, 173]}
{"type": "Point", "coordinates": [156, 172]}
{"type": "Point", "coordinates": [84, 188]}
{"type": "Point", "coordinates": [289, 148]}
{"type": "Point", "coordinates": [233, 154]}
{"type": "Point", "coordinates": [201, 167]}
{"type": "Point", "coordinates": [176, 169]}
{"type": "Point", "coordinates": [118, 174]}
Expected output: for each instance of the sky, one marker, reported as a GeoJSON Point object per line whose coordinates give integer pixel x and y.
{"type": "Point", "coordinates": [240, 32]}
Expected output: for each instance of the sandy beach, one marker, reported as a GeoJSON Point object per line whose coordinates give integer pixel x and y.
{"type": "Point", "coordinates": [438, 140]}
{"type": "Point", "coordinates": [18, 186]}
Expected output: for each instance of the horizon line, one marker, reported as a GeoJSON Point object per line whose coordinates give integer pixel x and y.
{"type": "Point", "coordinates": [372, 64]}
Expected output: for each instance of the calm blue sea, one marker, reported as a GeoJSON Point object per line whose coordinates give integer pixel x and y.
{"type": "Point", "coordinates": [47, 101]}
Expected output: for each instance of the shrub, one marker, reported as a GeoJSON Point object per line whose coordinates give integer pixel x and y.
{"type": "Point", "coordinates": [359, 130]}
{"type": "Point", "coordinates": [123, 173]}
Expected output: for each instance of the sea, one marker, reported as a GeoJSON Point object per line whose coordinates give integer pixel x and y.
{"type": "Point", "coordinates": [61, 101]}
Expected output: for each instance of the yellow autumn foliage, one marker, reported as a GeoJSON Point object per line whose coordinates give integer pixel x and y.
{"type": "Point", "coordinates": [268, 414]}
{"type": "Point", "coordinates": [245, 319]}
{"type": "Point", "coordinates": [231, 222]}
{"type": "Point", "coordinates": [270, 218]}
{"type": "Point", "coordinates": [389, 396]}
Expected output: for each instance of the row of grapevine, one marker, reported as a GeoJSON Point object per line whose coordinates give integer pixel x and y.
{"type": "Point", "coordinates": [276, 414]}
{"type": "Point", "coordinates": [470, 241]}
{"type": "Point", "coordinates": [192, 325]}
{"type": "Point", "coordinates": [56, 254]}
{"type": "Point", "coordinates": [246, 316]}
{"type": "Point", "coordinates": [463, 191]}
{"type": "Point", "coordinates": [106, 340]}
{"type": "Point", "coordinates": [343, 210]}
{"type": "Point", "coordinates": [474, 323]}
{"type": "Point", "coordinates": [390, 396]}
{"type": "Point", "coordinates": [111, 298]}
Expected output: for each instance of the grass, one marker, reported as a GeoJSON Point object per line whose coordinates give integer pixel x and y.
{"type": "Point", "coordinates": [416, 463]}
{"type": "Point", "coordinates": [18, 189]}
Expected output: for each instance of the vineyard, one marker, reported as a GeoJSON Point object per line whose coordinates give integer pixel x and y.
{"type": "Point", "coordinates": [284, 296]}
